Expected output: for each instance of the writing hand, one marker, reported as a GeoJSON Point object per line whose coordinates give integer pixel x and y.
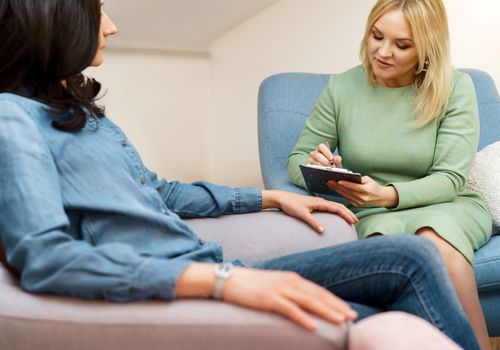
{"type": "Point", "coordinates": [322, 155]}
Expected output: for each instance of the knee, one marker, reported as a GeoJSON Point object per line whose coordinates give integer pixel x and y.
{"type": "Point", "coordinates": [415, 248]}
{"type": "Point", "coordinates": [453, 259]}
{"type": "Point", "coordinates": [455, 262]}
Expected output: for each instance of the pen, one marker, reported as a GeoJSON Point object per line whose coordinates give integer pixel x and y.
{"type": "Point", "coordinates": [326, 142]}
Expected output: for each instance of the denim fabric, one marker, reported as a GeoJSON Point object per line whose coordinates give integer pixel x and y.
{"type": "Point", "coordinates": [81, 215]}
{"type": "Point", "coordinates": [386, 273]}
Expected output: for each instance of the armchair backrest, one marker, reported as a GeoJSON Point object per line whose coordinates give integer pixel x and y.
{"type": "Point", "coordinates": [285, 101]}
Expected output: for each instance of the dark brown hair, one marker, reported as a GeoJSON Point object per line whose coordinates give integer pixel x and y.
{"type": "Point", "coordinates": [45, 42]}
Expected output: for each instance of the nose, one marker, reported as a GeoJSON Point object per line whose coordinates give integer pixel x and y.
{"type": "Point", "coordinates": [385, 50]}
{"type": "Point", "coordinates": [109, 27]}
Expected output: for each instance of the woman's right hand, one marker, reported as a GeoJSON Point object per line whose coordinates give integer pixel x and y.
{"type": "Point", "coordinates": [323, 156]}
{"type": "Point", "coordinates": [285, 293]}
{"type": "Point", "coordinates": [282, 292]}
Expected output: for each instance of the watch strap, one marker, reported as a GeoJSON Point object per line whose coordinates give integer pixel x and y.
{"type": "Point", "coordinates": [222, 273]}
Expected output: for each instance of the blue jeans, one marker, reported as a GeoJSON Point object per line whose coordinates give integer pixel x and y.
{"type": "Point", "coordinates": [404, 273]}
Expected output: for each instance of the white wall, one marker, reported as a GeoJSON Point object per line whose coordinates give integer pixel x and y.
{"type": "Point", "coordinates": [475, 34]}
{"type": "Point", "coordinates": [293, 35]}
{"type": "Point", "coordinates": [313, 36]}
{"type": "Point", "coordinates": [162, 102]}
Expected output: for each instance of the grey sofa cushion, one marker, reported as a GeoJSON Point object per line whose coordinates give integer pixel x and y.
{"type": "Point", "coordinates": [269, 234]}
{"type": "Point", "coordinates": [46, 322]}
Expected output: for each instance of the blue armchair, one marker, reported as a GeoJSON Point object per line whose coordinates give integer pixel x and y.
{"type": "Point", "coordinates": [285, 101]}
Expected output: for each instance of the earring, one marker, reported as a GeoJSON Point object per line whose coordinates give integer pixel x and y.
{"type": "Point", "coordinates": [424, 68]}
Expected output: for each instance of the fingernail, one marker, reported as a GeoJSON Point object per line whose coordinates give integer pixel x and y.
{"type": "Point", "coordinates": [312, 325]}
{"type": "Point", "coordinates": [352, 314]}
{"type": "Point", "coordinates": [321, 229]}
{"type": "Point", "coordinates": [337, 317]}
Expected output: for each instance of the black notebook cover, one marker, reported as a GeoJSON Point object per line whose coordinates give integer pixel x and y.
{"type": "Point", "coordinates": [317, 178]}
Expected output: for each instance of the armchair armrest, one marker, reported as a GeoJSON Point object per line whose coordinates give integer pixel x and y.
{"type": "Point", "coordinates": [29, 321]}
{"type": "Point", "coordinates": [260, 236]}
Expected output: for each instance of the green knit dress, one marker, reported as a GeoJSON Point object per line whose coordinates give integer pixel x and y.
{"type": "Point", "coordinates": [374, 130]}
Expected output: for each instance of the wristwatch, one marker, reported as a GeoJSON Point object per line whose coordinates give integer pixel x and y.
{"type": "Point", "coordinates": [222, 273]}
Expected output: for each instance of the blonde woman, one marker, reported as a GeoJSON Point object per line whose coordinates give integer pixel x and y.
{"type": "Point", "coordinates": [408, 122]}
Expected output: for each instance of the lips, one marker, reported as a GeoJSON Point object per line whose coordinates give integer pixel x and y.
{"type": "Point", "coordinates": [382, 63]}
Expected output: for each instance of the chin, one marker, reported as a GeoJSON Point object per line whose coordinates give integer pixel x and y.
{"type": "Point", "coordinates": [96, 62]}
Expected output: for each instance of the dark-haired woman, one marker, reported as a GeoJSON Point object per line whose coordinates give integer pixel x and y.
{"type": "Point", "coordinates": [82, 216]}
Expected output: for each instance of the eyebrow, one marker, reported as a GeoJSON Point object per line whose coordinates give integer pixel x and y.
{"type": "Point", "coordinates": [401, 39]}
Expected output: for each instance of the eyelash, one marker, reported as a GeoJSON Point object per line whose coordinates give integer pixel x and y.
{"type": "Point", "coordinates": [378, 38]}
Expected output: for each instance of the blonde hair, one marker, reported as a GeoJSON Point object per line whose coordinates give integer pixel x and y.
{"type": "Point", "coordinates": [434, 74]}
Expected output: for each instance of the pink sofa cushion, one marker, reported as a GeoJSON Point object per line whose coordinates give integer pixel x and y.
{"type": "Point", "coordinates": [395, 331]}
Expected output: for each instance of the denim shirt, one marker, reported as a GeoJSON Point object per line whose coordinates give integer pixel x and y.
{"type": "Point", "coordinates": [82, 216]}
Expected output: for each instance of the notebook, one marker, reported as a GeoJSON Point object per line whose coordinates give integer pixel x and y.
{"type": "Point", "coordinates": [316, 177]}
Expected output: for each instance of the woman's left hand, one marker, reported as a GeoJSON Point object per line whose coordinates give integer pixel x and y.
{"type": "Point", "coordinates": [301, 207]}
{"type": "Point", "coordinates": [367, 194]}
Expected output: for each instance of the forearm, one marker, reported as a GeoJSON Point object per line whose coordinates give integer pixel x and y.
{"type": "Point", "coordinates": [294, 174]}
{"type": "Point", "coordinates": [270, 199]}
{"type": "Point", "coordinates": [113, 272]}
{"type": "Point", "coordinates": [432, 189]}
{"type": "Point", "coordinates": [390, 197]}
{"type": "Point", "coordinates": [196, 281]}
{"type": "Point", "coordinates": [203, 199]}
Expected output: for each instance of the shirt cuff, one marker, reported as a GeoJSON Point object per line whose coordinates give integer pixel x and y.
{"type": "Point", "coordinates": [157, 278]}
{"type": "Point", "coordinates": [247, 200]}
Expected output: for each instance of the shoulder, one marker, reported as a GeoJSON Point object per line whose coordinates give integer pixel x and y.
{"type": "Point", "coordinates": [27, 110]}
{"type": "Point", "coordinates": [463, 93]}
{"type": "Point", "coordinates": [347, 81]}
{"type": "Point", "coordinates": [462, 101]}
{"type": "Point", "coordinates": [352, 76]}
{"type": "Point", "coordinates": [12, 103]}
{"type": "Point", "coordinates": [20, 115]}
{"type": "Point", "coordinates": [462, 83]}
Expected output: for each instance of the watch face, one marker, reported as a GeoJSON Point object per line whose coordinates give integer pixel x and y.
{"type": "Point", "coordinates": [224, 270]}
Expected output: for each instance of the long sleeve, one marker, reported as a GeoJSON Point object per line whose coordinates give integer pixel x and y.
{"type": "Point", "coordinates": [456, 145]}
{"type": "Point", "coordinates": [320, 125]}
{"type": "Point", "coordinates": [203, 199]}
{"type": "Point", "coordinates": [34, 228]}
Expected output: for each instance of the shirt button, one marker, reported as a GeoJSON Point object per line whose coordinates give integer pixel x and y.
{"type": "Point", "coordinates": [123, 143]}
{"type": "Point", "coordinates": [142, 182]}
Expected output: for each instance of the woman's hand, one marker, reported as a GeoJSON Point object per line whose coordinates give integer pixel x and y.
{"type": "Point", "coordinates": [301, 207]}
{"type": "Point", "coordinates": [285, 293]}
{"type": "Point", "coordinates": [367, 194]}
{"type": "Point", "coordinates": [323, 156]}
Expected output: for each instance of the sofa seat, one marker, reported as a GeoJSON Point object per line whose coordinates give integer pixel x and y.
{"type": "Point", "coordinates": [487, 270]}
{"type": "Point", "coordinates": [29, 321]}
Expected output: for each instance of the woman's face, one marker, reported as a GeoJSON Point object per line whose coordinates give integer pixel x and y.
{"type": "Point", "coordinates": [107, 28]}
{"type": "Point", "coordinates": [391, 50]}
